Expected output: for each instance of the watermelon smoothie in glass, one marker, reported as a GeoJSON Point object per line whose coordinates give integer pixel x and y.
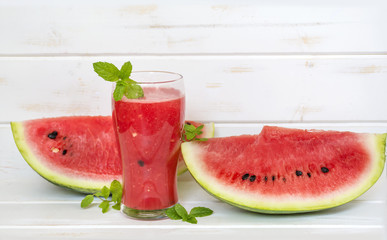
{"type": "Point", "coordinates": [149, 131]}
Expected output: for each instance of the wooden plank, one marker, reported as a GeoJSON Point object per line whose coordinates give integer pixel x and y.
{"type": "Point", "coordinates": [218, 88]}
{"type": "Point", "coordinates": [196, 232]}
{"type": "Point", "coordinates": [175, 27]}
{"type": "Point", "coordinates": [67, 215]}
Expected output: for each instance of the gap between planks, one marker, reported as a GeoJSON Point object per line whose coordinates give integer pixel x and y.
{"type": "Point", "coordinates": [185, 202]}
{"type": "Point", "coordinates": [295, 55]}
{"type": "Point", "coordinates": [287, 226]}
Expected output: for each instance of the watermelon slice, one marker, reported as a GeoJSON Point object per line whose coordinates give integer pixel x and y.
{"type": "Point", "coordinates": [287, 170]}
{"type": "Point", "coordinates": [78, 152]}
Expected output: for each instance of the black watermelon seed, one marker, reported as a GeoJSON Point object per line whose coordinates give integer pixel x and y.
{"type": "Point", "coordinates": [298, 173]}
{"type": "Point", "coordinates": [64, 138]}
{"type": "Point", "coordinates": [309, 175]}
{"type": "Point", "coordinates": [53, 135]}
{"type": "Point", "coordinates": [64, 152]}
{"type": "Point", "coordinates": [324, 170]}
{"type": "Point", "coordinates": [265, 178]}
{"type": "Point", "coordinates": [273, 178]}
{"type": "Point", "coordinates": [246, 176]}
{"type": "Point", "coordinates": [252, 178]}
{"type": "Point", "coordinates": [141, 163]}
{"type": "Point", "coordinates": [284, 179]}
{"type": "Point", "coordinates": [188, 123]}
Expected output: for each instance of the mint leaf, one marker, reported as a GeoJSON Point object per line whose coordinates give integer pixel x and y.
{"type": "Point", "coordinates": [200, 212]}
{"type": "Point", "coordinates": [126, 70]}
{"type": "Point", "coordinates": [107, 71]}
{"type": "Point", "coordinates": [117, 206]}
{"type": "Point", "coordinates": [116, 190]}
{"type": "Point", "coordinates": [116, 197]}
{"type": "Point", "coordinates": [119, 91]}
{"type": "Point", "coordinates": [191, 133]}
{"type": "Point", "coordinates": [87, 201]}
{"type": "Point", "coordinates": [191, 219]}
{"type": "Point", "coordinates": [180, 210]}
{"type": "Point", "coordinates": [115, 187]}
{"type": "Point", "coordinates": [105, 191]}
{"type": "Point", "coordinates": [104, 205]}
{"type": "Point", "coordinates": [172, 214]}
{"type": "Point", "coordinates": [189, 127]}
{"type": "Point", "coordinates": [134, 91]}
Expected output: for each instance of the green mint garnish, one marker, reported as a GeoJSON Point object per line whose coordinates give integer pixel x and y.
{"type": "Point", "coordinates": [107, 71]}
{"type": "Point", "coordinates": [104, 205]}
{"type": "Point", "coordinates": [114, 195]}
{"type": "Point", "coordinates": [172, 214]}
{"type": "Point", "coordinates": [178, 212]}
{"type": "Point", "coordinates": [200, 212]}
{"type": "Point", "coordinates": [191, 133]}
{"type": "Point", "coordinates": [87, 201]}
{"type": "Point", "coordinates": [124, 85]}
{"type": "Point", "coordinates": [115, 191]}
{"type": "Point", "coordinates": [126, 70]}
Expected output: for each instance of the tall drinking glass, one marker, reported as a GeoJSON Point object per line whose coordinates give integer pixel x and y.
{"type": "Point", "coordinates": [148, 130]}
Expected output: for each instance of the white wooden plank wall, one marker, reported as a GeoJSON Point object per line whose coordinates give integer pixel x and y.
{"type": "Point", "coordinates": [243, 61]}
{"type": "Point", "coordinates": [191, 27]}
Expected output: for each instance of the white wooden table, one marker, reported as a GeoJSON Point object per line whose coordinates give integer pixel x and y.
{"type": "Point", "coordinates": [307, 64]}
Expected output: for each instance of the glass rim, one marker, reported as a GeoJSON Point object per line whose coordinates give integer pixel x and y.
{"type": "Point", "coordinates": [178, 77]}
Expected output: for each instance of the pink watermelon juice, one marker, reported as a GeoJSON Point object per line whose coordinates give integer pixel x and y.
{"type": "Point", "coordinates": [149, 131]}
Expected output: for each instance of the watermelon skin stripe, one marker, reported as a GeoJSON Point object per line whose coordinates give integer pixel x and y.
{"type": "Point", "coordinates": [193, 152]}
{"type": "Point", "coordinates": [88, 186]}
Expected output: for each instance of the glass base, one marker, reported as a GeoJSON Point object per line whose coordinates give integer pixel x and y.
{"type": "Point", "coordinates": [144, 214]}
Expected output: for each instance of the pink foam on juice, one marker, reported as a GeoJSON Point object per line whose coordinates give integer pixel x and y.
{"type": "Point", "coordinates": [149, 131]}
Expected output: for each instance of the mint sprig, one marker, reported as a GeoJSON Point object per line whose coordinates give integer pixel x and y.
{"type": "Point", "coordinates": [115, 191]}
{"type": "Point", "coordinates": [178, 212]}
{"type": "Point", "coordinates": [114, 195]}
{"type": "Point", "coordinates": [124, 85]}
{"type": "Point", "coordinates": [191, 133]}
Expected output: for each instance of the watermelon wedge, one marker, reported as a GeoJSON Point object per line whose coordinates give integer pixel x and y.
{"type": "Point", "coordinates": [77, 152]}
{"type": "Point", "coordinates": [285, 170]}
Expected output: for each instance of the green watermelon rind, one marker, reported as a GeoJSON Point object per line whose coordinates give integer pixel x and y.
{"type": "Point", "coordinates": [376, 145]}
{"type": "Point", "coordinates": [55, 177]}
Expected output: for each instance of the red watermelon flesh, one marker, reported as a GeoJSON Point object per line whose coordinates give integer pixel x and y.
{"type": "Point", "coordinates": [287, 170]}
{"type": "Point", "coordinates": [78, 152]}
